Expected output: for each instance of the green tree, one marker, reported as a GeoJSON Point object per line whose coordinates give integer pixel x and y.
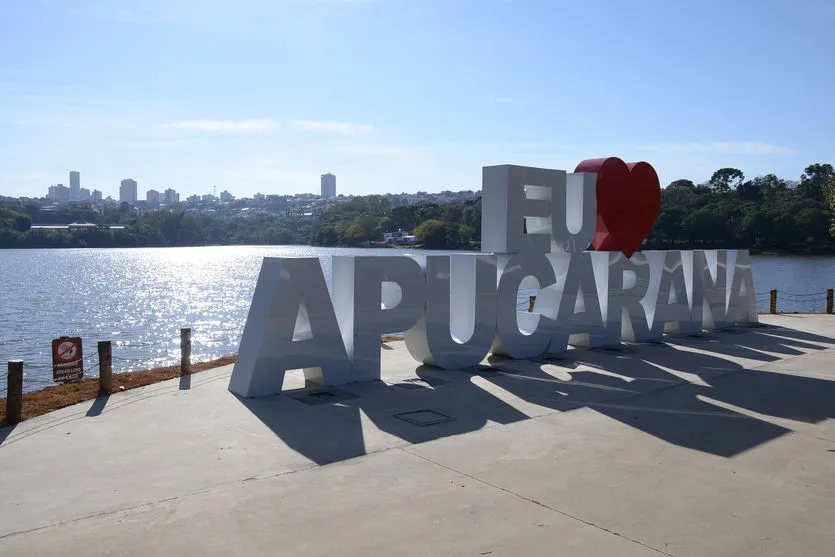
{"type": "Point", "coordinates": [681, 184]}
{"type": "Point", "coordinates": [829, 195]}
{"type": "Point", "coordinates": [726, 179]}
{"type": "Point", "coordinates": [814, 180]}
{"type": "Point", "coordinates": [432, 234]}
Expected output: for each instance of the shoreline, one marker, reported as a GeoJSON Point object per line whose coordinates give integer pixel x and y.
{"type": "Point", "coordinates": [54, 397]}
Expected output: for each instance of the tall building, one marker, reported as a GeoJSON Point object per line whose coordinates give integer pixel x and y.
{"type": "Point", "coordinates": [127, 191]}
{"type": "Point", "coordinates": [84, 194]}
{"type": "Point", "coordinates": [171, 197]}
{"type": "Point", "coordinates": [59, 193]}
{"type": "Point", "coordinates": [96, 196]}
{"type": "Point", "coordinates": [328, 185]}
{"type": "Point", "coordinates": [75, 186]}
{"type": "Point", "coordinates": [226, 197]}
{"type": "Point", "coordinates": [152, 197]}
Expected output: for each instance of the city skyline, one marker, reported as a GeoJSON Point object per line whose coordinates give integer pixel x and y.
{"type": "Point", "coordinates": [129, 191]}
{"type": "Point", "coordinates": [406, 95]}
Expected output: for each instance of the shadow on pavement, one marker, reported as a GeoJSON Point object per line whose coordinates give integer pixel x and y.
{"type": "Point", "coordinates": [98, 406]}
{"type": "Point", "coordinates": [684, 391]}
{"type": "Point", "coordinates": [5, 431]}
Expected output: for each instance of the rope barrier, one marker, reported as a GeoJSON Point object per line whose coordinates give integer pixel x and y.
{"type": "Point", "coordinates": [802, 295]}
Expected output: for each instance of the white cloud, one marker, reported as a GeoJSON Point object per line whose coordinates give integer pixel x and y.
{"type": "Point", "coordinates": [226, 126]}
{"type": "Point", "coordinates": [372, 150]}
{"type": "Point", "coordinates": [157, 143]}
{"type": "Point", "coordinates": [723, 148]}
{"type": "Point", "coordinates": [344, 128]}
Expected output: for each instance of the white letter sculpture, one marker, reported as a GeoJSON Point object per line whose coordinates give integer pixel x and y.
{"type": "Point", "coordinates": [455, 309]}
{"type": "Point", "coordinates": [291, 325]}
{"type": "Point", "coordinates": [374, 296]}
{"type": "Point", "coordinates": [456, 330]}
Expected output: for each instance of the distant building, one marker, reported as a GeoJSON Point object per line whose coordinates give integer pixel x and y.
{"type": "Point", "coordinates": [171, 197]}
{"type": "Point", "coordinates": [127, 191]}
{"type": "Point", "coordinates": [226, 197]}
{"type": "Point", "coordinates": [152, 197]}
{"type": "Point", "coordinates": [84, 195]}
{"type": "Point", "coordinates": [192, 199]}
{"type": "Point", "coordinates": [59, 193]}
{"type": "Point", "coordinates": [208, 197]}
{"type": "Point", "coordinates": [328, 185]}
{"type": "Point", "coordinates": [75, 186]}
{"type": "Point", "coordinates": [399, 237]}
{"type": "Point", "coordinates": [96, 196]}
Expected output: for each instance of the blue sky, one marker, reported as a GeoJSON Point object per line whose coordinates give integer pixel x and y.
{"type": "Point", "coordinates": [405, 95]}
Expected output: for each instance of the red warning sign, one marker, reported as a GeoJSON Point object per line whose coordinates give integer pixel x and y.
{"type": "Point", "coordinates": [67, 359]}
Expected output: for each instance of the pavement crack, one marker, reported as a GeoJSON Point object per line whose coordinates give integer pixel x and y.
{"type": "Point", "coordinates": [538, 503]}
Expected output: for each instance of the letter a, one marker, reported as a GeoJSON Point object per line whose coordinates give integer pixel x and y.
{"type": "Point", "coordinates": [291, 325]}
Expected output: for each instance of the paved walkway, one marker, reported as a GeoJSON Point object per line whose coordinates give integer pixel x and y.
{"type": "Point", "coordinates": [723, 445]}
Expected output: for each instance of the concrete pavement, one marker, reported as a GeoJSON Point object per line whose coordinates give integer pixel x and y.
{"type": "Point", "coordinates": [721, 445]}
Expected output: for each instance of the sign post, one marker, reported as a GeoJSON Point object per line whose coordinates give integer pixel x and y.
{"type": "Point", "coordinates": [67, 359]}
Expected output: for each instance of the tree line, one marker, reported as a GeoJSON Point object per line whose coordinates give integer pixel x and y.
{"type": "Point", "coordinates": [764, 213]}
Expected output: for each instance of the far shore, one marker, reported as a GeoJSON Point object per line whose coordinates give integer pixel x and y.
{"type": "Point", "coordinates": [823, 251]}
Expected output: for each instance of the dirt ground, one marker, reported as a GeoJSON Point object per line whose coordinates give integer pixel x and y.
{"type": "Point", "coordinates": [52, 398]}
{"type": "Point", "coordinates": [60, 396]}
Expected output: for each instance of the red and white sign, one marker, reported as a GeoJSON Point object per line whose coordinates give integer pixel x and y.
{"type": "Point", "coordinates": [67, 359]}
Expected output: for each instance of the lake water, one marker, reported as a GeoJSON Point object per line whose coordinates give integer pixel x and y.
{"type": "Point", "coordinates": [140, 298]}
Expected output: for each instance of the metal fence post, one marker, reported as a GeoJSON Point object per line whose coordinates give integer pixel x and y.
{"type": "Point", "coordinates": [829, 300]}
{"type": "Point", "coordinates": [773, 308]}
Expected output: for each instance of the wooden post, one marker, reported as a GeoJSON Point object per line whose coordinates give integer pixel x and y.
{"type": "Point", "coordinates": [14, 392]}
{"type": "Point", "coordinates": [105, 368]}
{"type": "Point", "coordinates": [773, 308]}
{"type": "Point", "coordinates": [531, 303]}
{"type": "Point", "coordinates": [829, 300]}
{"type": "Point", "coordinates": [185, 351]}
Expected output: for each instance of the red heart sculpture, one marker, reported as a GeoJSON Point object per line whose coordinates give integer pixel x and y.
{"type": "Point", "coordinates": [628, 199]}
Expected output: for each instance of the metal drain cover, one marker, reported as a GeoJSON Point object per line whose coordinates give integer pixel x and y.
{"type": "Point", "coordinates": [424, 417]}
{"type": "Point", "coordinates": [420, 383]}
{"type": "Point", "coordinates": [316, 397]}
